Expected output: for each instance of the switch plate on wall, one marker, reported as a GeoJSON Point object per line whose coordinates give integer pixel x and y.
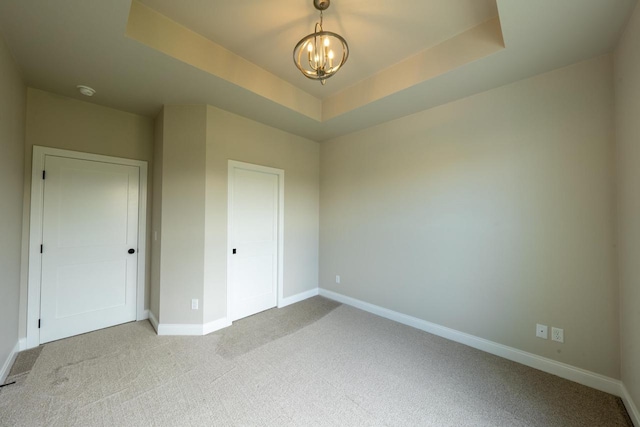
{"type": "Point", "coordinates": [194, 304]}
{"type": "Point", "coordinates": [338, 279]}
{"type": "Point", "coordinates": [541, 331]}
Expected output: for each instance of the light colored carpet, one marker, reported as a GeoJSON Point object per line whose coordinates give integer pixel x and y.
{"type": "Point", "coordinates": [315, 363]}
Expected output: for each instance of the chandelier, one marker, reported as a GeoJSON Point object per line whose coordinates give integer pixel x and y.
{"type": "Point", "coordinates": [316, 55]}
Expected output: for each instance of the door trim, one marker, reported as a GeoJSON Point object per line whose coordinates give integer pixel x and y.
{"type": "Point", "coordinates": [257, 168]}
{"type": "Point", "coordinates": [35, 232]}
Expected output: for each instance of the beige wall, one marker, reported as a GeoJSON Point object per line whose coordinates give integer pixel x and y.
{"type": "Point", "coordinates": [486, 215]}
{"type": "Point", "coordinates": [627, 89]}
{"type": "Point", "coordinates": [183, 201]}
{"type": "Point", "coordinates": [156, 214]}
{"type": "Point", "coordinates": [66, 123]}
{"type": "Point", "coordinates": [193, 146]}
{"type": "Point", "coordinates": [12, 122]}
{"type": "Point", "coordinates": [232, 137]}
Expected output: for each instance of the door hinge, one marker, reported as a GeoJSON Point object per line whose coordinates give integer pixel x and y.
{"type": "Point", "coordinates": [40, 248]}
{"type": "Point", "coordinates": [44, 173]}
{"type": "Point", "coordinates": [39, 323]}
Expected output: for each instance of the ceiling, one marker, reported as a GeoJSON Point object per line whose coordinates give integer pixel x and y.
{"type": "Point", "coordinates": [406, 56]}
{"type": "Point", "coordinates": [379, 33]}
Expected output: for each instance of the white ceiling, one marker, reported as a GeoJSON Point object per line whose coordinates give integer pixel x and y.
{"type": "Point", "coordinates": [379, 33]}
{"type": "Point", "coordinates": [60, 44]}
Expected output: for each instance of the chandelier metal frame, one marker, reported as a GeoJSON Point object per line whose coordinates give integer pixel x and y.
{"type": "Point", "coordinates": [312, 54]}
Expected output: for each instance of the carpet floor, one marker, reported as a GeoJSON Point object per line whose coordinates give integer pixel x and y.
{"type": "Point", "coordinates": [315, 363]}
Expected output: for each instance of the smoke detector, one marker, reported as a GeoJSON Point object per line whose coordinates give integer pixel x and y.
{"type": "Point", "coordinates": [86, 90]}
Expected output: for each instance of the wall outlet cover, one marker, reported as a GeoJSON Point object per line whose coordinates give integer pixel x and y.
{"type": "Point", "coordinates": [194, 304]}
{"type": "Point", "coordinates": [338, 279]}
{"type": "Point", "coordinates": [557, 334]}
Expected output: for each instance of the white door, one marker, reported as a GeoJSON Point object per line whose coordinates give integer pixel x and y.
{"type": "Point", "coordinates": [254, 232]}
{"type": "Point", "coordinates": [89, 253]}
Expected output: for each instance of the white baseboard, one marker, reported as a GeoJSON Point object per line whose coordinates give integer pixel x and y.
{"type": "Point", "coordinates": [6, 366]}
{"type": "Point", "coordinates": [632, 409]}
{"type": "Point", "coordinates": [22, 344]}
{"type": "Point", "coordinates": [188, 329]}
{"type": "Point", "coordinates": [563, 370]}
{"type": "Point", "coordinates": [153, 321]}
{"type": "Point", "coordinates": [145, 315]}
{"type": "Point", "coordinates": [216, 325]}
{"type": "Point", "coordinates": [297, 298]}
{"type": "Point", "coordinates": [180, 329]}
{"type": "Point", "coordinates": [207, 328]}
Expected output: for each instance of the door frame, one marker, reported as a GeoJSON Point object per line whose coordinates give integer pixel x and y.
{"type": "Point", "coordinates": [257, 168]}
{"type": "Point", "coordinates": [35, 232]}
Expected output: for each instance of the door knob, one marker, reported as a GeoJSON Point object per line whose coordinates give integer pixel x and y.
{"type": "Point", "coordinates": [131, 251]}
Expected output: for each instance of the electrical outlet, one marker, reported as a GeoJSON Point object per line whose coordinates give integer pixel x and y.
{"type": "Point", "coordinates": [557, 334]}
{"type": "Point", "coordinates": [338, 279]}
{"type": "Point", "coordinates": [194, 304]}
{"type": "Point", "coordinates": [542, 331]}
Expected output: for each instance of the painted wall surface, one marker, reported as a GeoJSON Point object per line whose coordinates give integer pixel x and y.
{"type": "Point", "coordinates": [486, 215]}
{"type": "Point", "coordinates": [165, 35]}
{"type": "Point", "coordinates": [13, 94]}
{"type": "Point", "coordinates": [627, 108]}
{"type": "Point", "coordinates": [183, 213]}
{"type": "Point", "coordinates": [66, 123]}
{"type": "Point", "coordinates": [156, 214]}
{"type": "Point", "coordinates": [232, 137]}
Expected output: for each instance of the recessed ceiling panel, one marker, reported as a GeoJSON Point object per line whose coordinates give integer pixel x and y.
{"type": "Point", "coordinates": [380, 33]}
{"type": "Point", "coordinates": [60, 44]}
